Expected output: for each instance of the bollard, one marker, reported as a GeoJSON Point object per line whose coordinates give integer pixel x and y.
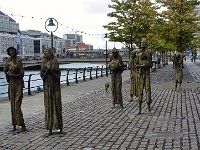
{"type": "Point", "coordinates": [90, 73]}
{"type": "Point", "coordinates": [102, 71]}
{"type": "Point", "coordinates": [29, 84]}
{"type": "Point", "coordinates": [76, 76]}
{"type": "Point", "coordinates": [67, 77]}
{"type": "Point", "coordinates": [84, 74]}
{"type": "Point", "coordinates": [97, 71]}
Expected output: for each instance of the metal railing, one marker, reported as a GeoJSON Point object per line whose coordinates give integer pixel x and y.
{"type": "Point", "coordinates": [34, 83]}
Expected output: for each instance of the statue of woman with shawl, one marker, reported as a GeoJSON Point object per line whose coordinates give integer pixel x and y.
{"type": "Point", "coordinates": [116, 66]}
{"type": "Point", "coordinates": [50, 73]}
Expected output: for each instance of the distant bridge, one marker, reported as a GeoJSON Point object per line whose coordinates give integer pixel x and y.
{"type": "Point", "coordinates": [35, 64]}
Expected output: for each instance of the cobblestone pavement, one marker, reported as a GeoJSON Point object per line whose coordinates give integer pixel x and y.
{"type": "Point", "coordinates": [91, 124]}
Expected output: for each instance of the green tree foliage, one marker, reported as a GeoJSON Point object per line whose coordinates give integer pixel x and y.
{"type": "Point", "coordinates": [133, 21]}
{"type": "Point", "coordinates": [180, 23]}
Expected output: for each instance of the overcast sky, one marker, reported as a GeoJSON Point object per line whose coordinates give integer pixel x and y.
{"type": "Point", "coordinates": [87, 16]}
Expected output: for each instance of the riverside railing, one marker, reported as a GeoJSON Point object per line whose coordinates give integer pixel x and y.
{"type": "Point", "coordinates": [34, 83]}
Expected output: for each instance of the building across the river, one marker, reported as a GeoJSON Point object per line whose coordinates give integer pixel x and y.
{"type": "Point", "coordinates": [31, 43]}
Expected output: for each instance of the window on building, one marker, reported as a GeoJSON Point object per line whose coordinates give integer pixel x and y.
{"type": "Point", "coordinates": [36, 46]}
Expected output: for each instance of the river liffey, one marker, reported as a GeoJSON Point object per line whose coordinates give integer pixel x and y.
{"type": "Point", "coordinates": [75, 73]}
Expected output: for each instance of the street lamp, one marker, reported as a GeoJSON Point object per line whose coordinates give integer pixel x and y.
{"type": "Point", "coordinates": [106, 38]}
{"type": "Point", "coordinates": [51, 27]}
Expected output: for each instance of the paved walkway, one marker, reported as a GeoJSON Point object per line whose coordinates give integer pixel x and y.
{"type": "Point", "coordinates": [34, 104]}
{"type": "Point", "coordinates": [91, 124]}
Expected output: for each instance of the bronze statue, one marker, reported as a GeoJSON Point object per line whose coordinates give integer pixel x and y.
{"type": "Point", "coordinates": [14, 71]}
{"type": "Point", "coordinates": [50, 73]}
{"type": "Point", "coordinates": [133, 76]}
{"type": "Point", "coordinates": [178, 65]}
{"type": "Point", "coordinates": [116, 66]}
{"type": "Point", "coordinates": [143, 64]}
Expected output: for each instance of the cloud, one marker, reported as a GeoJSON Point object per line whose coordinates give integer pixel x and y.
{"type": "Point", "coordinates": [97, 7]}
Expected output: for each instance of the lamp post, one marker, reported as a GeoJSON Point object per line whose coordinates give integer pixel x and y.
{"type": "Point", "coordinates": [106, 38]}
{"type": "Point", "coordinates": [51, 27]}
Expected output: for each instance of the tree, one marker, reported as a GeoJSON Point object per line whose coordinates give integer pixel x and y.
{"type": "Point", "coordinates": [133, 21]}
{"type": "Point", "coordinates": [181, 23]}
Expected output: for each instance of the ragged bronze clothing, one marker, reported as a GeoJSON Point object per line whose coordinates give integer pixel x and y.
{"type": "Point", "coordinates": [116, 66]}
{"type": "Point", "coordinates": [14, 74]}
{"type": "Point", "coordinates": [143, 64]}
{"type": "Point", "coordinates": [133, 75]}
{"type": "Point", "coordinates": [178, 65]}
{"type": "Point", "coordinates": [50, 74]}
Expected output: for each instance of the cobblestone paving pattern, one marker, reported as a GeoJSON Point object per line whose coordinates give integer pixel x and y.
{"type": "Point", "coordinates": [91, 124]}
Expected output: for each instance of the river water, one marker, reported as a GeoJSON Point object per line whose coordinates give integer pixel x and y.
{"type": "Point", "coordinates": [37, 82]}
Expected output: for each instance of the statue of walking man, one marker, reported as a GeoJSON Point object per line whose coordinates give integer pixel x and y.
{"type": "Point", "coordinates": [143, 64]}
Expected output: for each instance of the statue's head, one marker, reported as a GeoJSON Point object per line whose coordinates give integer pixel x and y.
{"type": "Point", "coordinates": [115, 51]}
{"type": "Point", "coordinates": [11, 51]}
{"type": "Point", "coordinates": [48, 53]}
